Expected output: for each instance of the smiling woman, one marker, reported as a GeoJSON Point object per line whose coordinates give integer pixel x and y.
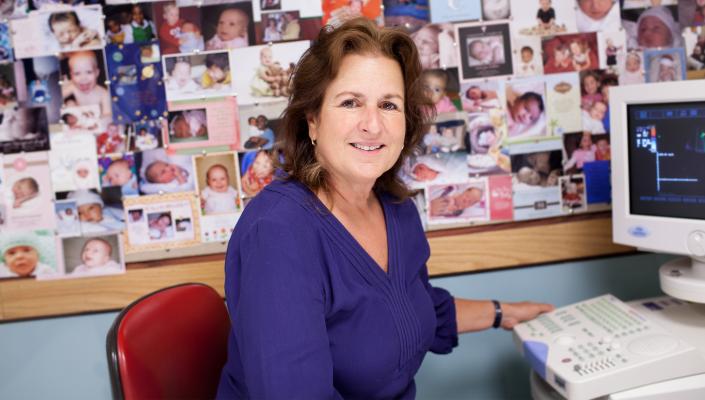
{"type": "Point", "coordinates": [325, 276]}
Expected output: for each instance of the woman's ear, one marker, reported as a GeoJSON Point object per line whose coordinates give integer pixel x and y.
{"type": "Point", "coordinates": [312, 126]}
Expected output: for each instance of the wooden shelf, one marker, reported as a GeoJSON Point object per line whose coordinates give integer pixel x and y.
{"type": "Point", "coordinates": [455, 251]}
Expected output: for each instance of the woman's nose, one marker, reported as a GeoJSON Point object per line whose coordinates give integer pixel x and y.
{"type": "Point", "coordinates": [371, 120]}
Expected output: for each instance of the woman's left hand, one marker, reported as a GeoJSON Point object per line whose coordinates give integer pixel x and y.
{"type": "Point", "coordinates": [514, 313]}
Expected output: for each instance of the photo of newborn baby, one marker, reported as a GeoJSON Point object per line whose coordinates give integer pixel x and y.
{"type": "Point", "coordinates": [93, 256]}
{"type": "Point", "coordinates": [455, 203]}
{"type": "Point", "coordinates": [119, 171]}
{"type": "Point", "coordinates": [217, 183]}
{"type": "Point", "coordinates": [162, 173]}
{"type": "Point", "coordinates": [23, 129]}
{"type": "Point", "coordinates": [188, 126]}
{"type": "Point", "coordinates": [198, 75]}
{"type": "Point", "coordinates": [26, 253]}
{"type": "Point", "coordinates": [484, 50]}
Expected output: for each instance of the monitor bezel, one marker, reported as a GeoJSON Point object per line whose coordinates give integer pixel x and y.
{"type": "Point", "coordinates": [653, 233]}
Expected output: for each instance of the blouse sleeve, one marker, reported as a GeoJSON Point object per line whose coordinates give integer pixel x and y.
{"type": "Point", "coordinates": [446, 325]}
{"type": "Point", "coordinates": [279, 317]}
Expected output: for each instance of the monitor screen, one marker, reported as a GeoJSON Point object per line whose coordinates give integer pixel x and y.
{"type": "Point", "coordinates": [667, 159]}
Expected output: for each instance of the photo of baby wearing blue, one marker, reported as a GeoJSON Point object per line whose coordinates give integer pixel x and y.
{"type": "Point", "coordinates": [410, 15]}
{"type": "Point", "coordinates": [41, 87]}
{"type": "Point", "coordinates": [93, 256]}
{"type": "Point", "coordinates": [145, 136]}
{"type": "Point", "coordinates": [97, 212]}
{"type": "Point", "coordinates": [178, 28]}
{"type": "Point", "coordinates": [67, 222]}
{"type": "Point", "coordinates": [119, 171]}
{"type": "Point", "coordinates": [163, 173]}
{"type": "Point", "coordinates": [5, 46]}
{"type": "Point", "coordinates": [136, 87]}
{"type": "Point", "coordinates": [188, 126]}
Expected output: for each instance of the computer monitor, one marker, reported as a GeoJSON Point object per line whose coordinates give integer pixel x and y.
{"type": "Point", "coordinates": [658, 177]}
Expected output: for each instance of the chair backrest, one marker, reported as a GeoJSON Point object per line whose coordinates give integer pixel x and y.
{"type": "Point", "coordinates": [169, 344]}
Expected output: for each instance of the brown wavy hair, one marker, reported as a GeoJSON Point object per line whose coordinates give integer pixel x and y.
{"type": "Point", "coordinates": [318, 67]}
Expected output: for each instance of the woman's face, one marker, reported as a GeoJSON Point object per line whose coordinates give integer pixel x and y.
{"type": "Point", "coordinates": [654, 33]}
{"type": "Point", "coordinates": [361, 125]}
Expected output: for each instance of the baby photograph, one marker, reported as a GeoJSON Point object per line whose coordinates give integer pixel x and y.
{"type": "Point", "coordinates": [257, 169]}
{"type": "Point", "coordinates": [493, 10]}
{"type": "Point", "coordinates": [594, 100]}
{"type": "Point", "coordinates": [41, 85]}
{"type": "Point", "coordinates": [456, 203]}
{"type": "Point", "coordinates": [694, 38]}
{"type": "Point", "coordinates": [145, 135]}
{"type": "Point", "coordinates": [93, 256]}
{"type": "Point", "coordinates": [580, 148]}
{"type": "Point", "coordinates": [568, 53]}
{"type": "Point", "coordinates": [67, 223]}
{"type": "Point", "coordinates": [691, 13]}
{"type": "Point", "coordinates": [419, 171]}
{"type": "Point", "coordinates": [542, 17]}
{"type": "Point", "coordinates": [23, 130]}
{"type": "Point", "coordinates": [434, 43]}
{"type": "Point", "coordinates": [278, 27]}
{"type": "Point", "coordinates": [217, 183]}
{"type": "Point", "coordinates": [612, 48]}
{"type": "Point", "coordinates": [163, 173]}
{"type": "Point", "coordinates": [482, 96]}
{"type": "Point", "coordinates": [444, 135]}
{"type": "Point", "coordinates": [119, 171]}
{"type": "Point", "coordinates": [598, 16]}
{"type": "Point", "coordinates": [650, 27]}
{"type": "Point", "coordinates": [485, 135]}
{"type": "Point", "coordinates": [257, 127]}
{"type": "Point", "coordinates": [163, 221]}
{"type": "Point", "coordinates": [8, 94]}
{"type": "Point", "coordinates": [5, 45]}
{"type": "Point", "coordinates": [28, 254]}
{"type": "Point", "coordinates": [262, 72]}
{"type": "Point", "coordinates": [573, 193]}
{"type": "Point", "coordinates": [484, 50]}
{"type": "Point", "coordinates": [336, 12]}
{"type": "Point", "coordinates": [442, 87]}
{"type": "Point", "coordinates": [527, 56]}
{"type": "Point", "coordinates": [81, 120]}
{"type": "Point", "coordinates": [187, 126]}
{"type": "Point", "coordinates": [112, 139]}
{"type": "Point", "coordinates": [537, 164]}
{"type": "Point", "coordinates": [526, 110]}
{"type": "Point", "coordinates": [83, 79]}
{"type": "Point", "coordinates": [179, 28]}
{"type": "Point", "coordinates": [228, 26]}
{"type": "Point", "coordinates": [74, 163]}
{"type": "Point", "coordinates": [198, 75]}
{"type": "Point", "coordinates": [51, 32]}
{"type": "Point", "coordinates": [405, 14]}
{"type": "Point", "coordinates": [28, 191]}
{"type": "Point", "coordinates": [97, 212]}
{"type": "Point", "coordinates": [129, 23]}
{"type": "Point", "coordinates": [193, 126]}
{"type": "Point", "coordinates": [633, 70]}
{"type": "Point", "coordinates": [665, 65]}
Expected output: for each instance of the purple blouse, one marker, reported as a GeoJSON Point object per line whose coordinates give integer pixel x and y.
{"type": "Point", "coordinates": [314, 316]}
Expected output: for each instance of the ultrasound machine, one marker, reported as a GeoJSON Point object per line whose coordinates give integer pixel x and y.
{"type": "Point", "coordinates": [650, 348]}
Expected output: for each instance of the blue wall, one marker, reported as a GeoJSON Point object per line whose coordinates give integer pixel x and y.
{"type": "Point", "coordinates": [63, 358]}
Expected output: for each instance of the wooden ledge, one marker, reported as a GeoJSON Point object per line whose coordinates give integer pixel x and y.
{"type": "Point", "coordinates": [455, 251]}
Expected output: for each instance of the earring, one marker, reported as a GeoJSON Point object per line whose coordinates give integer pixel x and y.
{"type": "Point", "coordinates": [313, 141]}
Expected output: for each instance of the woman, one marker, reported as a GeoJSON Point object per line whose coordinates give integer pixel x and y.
{"type": "Point", "coordinates": [326, 277]}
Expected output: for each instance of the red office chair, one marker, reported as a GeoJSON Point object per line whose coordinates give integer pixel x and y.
{"type": "Point", "coordinates": [169, 344]}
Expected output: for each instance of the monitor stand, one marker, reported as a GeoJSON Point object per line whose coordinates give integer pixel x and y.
{"type": "Point", "coordinates": [684, 278]}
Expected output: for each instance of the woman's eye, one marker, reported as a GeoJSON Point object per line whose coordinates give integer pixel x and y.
{"type": "Point", "coordinates": [389, 106]}
{"type": "Point", "coordinates": [350, 103]}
